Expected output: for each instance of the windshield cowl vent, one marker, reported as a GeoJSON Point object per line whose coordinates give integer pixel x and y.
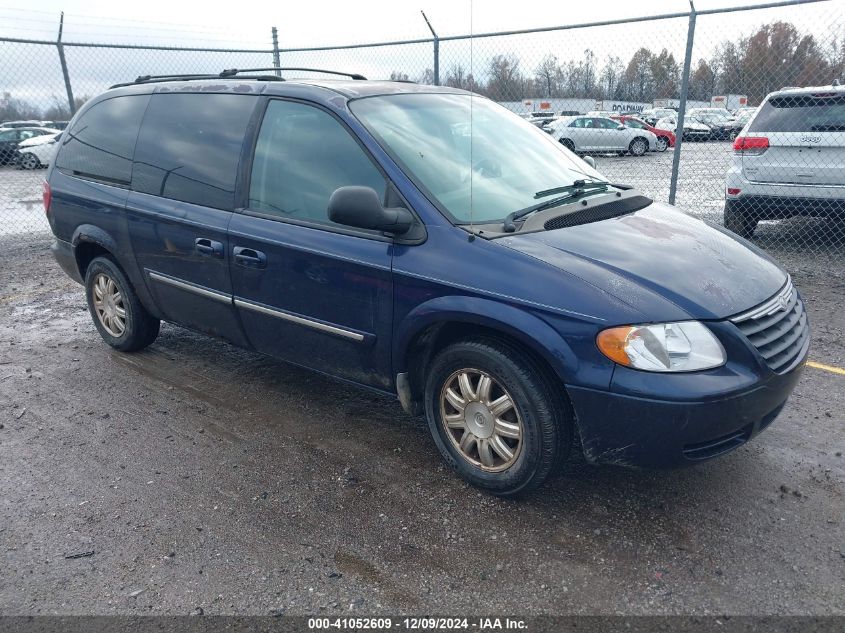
{"type": "Point", "coordinates": [597, 213]}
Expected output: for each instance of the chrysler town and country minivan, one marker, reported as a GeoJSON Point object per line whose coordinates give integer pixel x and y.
{"type": "Point", "coordinates": [425, 242]}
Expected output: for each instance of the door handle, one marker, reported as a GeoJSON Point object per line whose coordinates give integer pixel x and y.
{"type": "Point", "coordinates": [205, 246]}
{"type": "Point", "coordinates": [249, 257]}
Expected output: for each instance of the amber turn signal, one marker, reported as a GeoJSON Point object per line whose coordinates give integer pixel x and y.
{"type": "Point", "coordinates": [612, 343]}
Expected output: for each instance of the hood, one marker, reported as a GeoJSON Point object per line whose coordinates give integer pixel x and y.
{"type": "Point", "coordinates": [663, 263]}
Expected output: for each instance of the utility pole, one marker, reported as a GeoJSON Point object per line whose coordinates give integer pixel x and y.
{"type": "Point", "coordinates": [436, 50]}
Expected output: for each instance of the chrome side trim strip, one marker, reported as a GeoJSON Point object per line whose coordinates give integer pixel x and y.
{"type": "Point", "coordinates": [184, 285]}
{"type": "Point", "coordinates": [287, 316]}
{"type": "Point", "coordinates": [780, 301]}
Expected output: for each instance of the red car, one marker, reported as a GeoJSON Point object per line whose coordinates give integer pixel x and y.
{"type": "Point", "coordinates": [665, 138]}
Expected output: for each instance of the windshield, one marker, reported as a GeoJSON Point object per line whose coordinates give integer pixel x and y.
{"type": "Point", "coordinates": [434, 139]}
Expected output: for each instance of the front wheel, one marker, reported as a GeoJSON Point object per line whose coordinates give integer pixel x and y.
{"type": "Point", "coordinates": [662, 143]}
{"type": "Point", "coordinates": [638, 147]}
{"type": "Point", "coordinates": [115, 309]}
{"type": "Point", "coordinates": [494, 416]}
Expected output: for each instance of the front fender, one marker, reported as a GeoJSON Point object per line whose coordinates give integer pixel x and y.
{"type": "Point", "coordinates": [517, 323]}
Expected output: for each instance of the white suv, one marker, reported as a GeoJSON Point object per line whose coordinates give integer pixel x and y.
{"type": "Point", "coordinates": [789, 159]}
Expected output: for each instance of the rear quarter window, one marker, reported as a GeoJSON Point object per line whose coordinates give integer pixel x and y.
{"type": "Point", "coordinates": [101, 142]}
{"type": "Point", "coordinates": [190, 146]}
{"type": "Point", "coordinates": [801, 113]}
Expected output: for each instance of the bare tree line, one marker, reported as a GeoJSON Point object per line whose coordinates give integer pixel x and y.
{"type": "Point", "coordinates": [776, 55]}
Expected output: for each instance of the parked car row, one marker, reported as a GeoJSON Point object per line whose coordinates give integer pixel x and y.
{"type": "Point", "coordinates": [56, 125]}
{"type": "Point", "coordinates": [17, 142]}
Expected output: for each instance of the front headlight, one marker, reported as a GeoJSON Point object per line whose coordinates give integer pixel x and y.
{"type": "Point", "coordinates": [667, 347]}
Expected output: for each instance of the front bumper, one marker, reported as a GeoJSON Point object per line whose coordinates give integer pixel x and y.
{"type": "Point", "coordinates": [669, 420]}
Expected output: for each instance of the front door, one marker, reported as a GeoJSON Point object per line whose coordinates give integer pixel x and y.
{"type": "Point", "coordinates": [307, 290]}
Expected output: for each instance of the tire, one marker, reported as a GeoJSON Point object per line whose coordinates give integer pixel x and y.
{"type": "Point", "coordinates": [638, 147]}
{"type": "Point", "coordinates": [537, 427]}
{"type": "Point", "coordinates": [568, 144]}
{"type": "Point", "coordinates": [29, 161]}
{"type": "Point", "coordinates": [662, 143]}
{"type": "Point", "coordinates": [137, 328]}
{"type": "Point", "coordinates": [740, 221]}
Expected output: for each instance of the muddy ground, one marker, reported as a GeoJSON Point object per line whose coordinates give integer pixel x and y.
{"type": "Point", "coordinates": [197, 476]}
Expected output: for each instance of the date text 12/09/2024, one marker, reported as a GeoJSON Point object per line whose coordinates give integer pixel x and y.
{"type": "Point", "coordinates": [417, 624]}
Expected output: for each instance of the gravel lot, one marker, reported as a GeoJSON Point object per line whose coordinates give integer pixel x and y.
{"type": "Point", "coordinates": [197, 476]}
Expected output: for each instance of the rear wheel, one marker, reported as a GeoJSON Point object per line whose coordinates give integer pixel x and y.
{"type": "Point", "coordinates": [739, 220]}
{"type": "Point", "coordinates": [115, 309]}
{"type": "Point", "coordinates": [495, 417]}
{"type": "Point", "coordinates": [29, 161]}
{"type": "Point", "coordinates": [568, 144]}
{"type": "Point", "coordinates": [662, 143]}
{"type": "Point", "coordinates": [638, 146]}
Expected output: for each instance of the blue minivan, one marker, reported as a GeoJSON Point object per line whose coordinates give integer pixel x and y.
{"type": "Point", "coordinates": [425, 242]}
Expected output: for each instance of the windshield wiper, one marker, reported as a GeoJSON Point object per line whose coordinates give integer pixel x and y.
{"type": "Point", "coordinates": [578, 184]}
{"type": "Point", "coordinates": [575, 190]}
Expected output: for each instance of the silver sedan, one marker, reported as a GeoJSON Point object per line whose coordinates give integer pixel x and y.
{"type": "Point", "coordinates": [600, 134]}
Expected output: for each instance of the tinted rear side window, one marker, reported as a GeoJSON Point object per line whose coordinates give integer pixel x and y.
{"type": "Point", "coordinates": [100, 144]}
{"type": "Point", "coordinates": [190, 145]}
{"type": "Point", "coordinates": [801, 113]}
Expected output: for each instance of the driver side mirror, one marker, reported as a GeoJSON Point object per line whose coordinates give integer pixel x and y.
{"type": "Point", "coordinates": [360, 207]}
{"type": "Point", "coordinates": [621, 126]}
{"type": "Point", "coordinates": [590, 161]}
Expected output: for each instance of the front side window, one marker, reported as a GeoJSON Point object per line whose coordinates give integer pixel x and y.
{"type": "Point", "coordinates": [102, 140]}
{"type": "Point", "coordinates": [190, 146]}
{"type": "Point", "coordinates": [302, 155]}
{"type": "Point", "coordinates": [477, 160]}
{"type": "Point", "coordinates": [607, 124]}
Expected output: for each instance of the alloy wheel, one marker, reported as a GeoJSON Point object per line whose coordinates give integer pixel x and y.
{"type": "Point", "coordinates": [481, 419]}
{"type": "Point", "coordinates": [108, 304]}
{"type": "Point", "coordinates": [638, 147]}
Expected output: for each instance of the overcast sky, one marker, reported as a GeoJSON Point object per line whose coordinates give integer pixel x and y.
{"type": "Point", "coordinates": [321, 22]}
{"type": "Point", "coordinates": [27, 70]}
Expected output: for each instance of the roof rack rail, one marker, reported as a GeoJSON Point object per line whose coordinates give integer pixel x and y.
{"type": "Point", "coordinates": [151, 79]}
{"type": "Point", "coordinates": [231, 72]}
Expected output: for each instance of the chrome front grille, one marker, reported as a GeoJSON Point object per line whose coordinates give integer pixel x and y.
{"type": "Point", "coordinates": [777, 328]}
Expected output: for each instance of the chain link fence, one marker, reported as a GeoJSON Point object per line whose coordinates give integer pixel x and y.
{"type": "Point", "coordinates": [661, 103]}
